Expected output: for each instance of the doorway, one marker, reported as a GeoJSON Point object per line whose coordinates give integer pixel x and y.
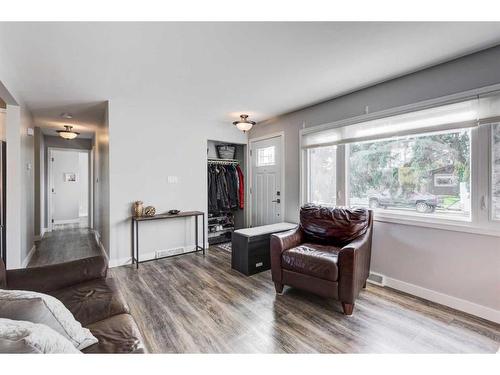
{"type": "Point", "coordinates": [69, 193]}
{"type": "Point", "coordinates": [267, 179]}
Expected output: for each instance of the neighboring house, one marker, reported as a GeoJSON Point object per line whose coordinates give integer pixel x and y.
{"type": "Point", "coordinates": [444, 181]}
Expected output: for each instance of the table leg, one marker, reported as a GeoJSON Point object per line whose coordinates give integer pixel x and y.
{"type": "Point", "coordinates": [137, 244]}
{"type": "Point", "coordinates": [203, 244]}
{"type": "Point", "coordinates": [133, 242]}
{"type": "Point", "coordinates": [196, 233]}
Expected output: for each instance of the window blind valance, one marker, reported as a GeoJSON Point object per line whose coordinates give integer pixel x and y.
{"type": "Point", "coordinates": [464, 114]}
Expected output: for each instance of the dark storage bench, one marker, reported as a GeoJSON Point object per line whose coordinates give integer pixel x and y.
{"type": "Point", "coordinates": [250, 247]}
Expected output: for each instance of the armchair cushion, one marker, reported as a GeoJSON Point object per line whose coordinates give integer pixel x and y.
{"type": "Point", "coordinates": [312, 259]}
{"type": "Point", "coordinates": [333, 225]}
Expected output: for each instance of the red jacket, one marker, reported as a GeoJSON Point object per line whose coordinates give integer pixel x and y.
{"type": "Point", "coordinates": [241, 192]}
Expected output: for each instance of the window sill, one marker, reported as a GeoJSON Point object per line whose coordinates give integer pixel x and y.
{"type": "Point", "coordinates": [456, 225]}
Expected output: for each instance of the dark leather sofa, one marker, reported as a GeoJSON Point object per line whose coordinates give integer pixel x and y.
{"type": "Point", "coordinates": [327, 254]}
{"type": "Point", "coordinates": [93, 299]}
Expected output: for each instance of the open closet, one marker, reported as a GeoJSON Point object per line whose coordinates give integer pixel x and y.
{"type": "Point", "coordinates": [226, 181]}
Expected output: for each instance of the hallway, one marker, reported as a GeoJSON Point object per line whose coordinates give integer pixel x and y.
{"type": "Point", "coordinates": [65, 243]}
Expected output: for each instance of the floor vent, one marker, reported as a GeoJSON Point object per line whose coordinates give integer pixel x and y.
{"type": "Point", "coordinates": [168, 252]}
{"type": "Point", "coordinates": [376, 278]}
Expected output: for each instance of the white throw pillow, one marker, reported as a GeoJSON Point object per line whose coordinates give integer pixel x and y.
{"type": "Point", "coordinates": [18, 336]}
{"type": "Point", "coordinates": [44, 309]}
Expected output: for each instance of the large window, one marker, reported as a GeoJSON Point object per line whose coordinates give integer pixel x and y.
{"type": "Point", "coordinates": [428, 167]}
{"type": "Point", "coordinates": [495, 176]}
{"type": "Point", "coordinates": [322, 175]}
{"type": "Point", "coordinates": [426, 174]}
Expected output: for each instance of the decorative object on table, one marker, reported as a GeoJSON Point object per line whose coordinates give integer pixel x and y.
{"type": "Point", "coordinates": [138, 208]}
{"type": "Point", "coordinates": [173, 212]}
{"type": "Point", "coordinates": [244, 124]}
{"type": "Point", "coordinates": [226, 151]}
{"type": "Point", "coordinates": [149, 211]}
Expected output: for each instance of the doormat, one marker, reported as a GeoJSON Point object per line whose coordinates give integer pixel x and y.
{"type": "Point", "coordinates": [225, 246]}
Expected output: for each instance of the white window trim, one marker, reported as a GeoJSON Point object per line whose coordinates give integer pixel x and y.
{"type": "Point", "coordinates": [481, 220]}
{"type": "Point", "coordinates": [490, 176]}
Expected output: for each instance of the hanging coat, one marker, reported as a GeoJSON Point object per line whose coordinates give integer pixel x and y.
{"type": "Point", "coordinates": [241, 187]}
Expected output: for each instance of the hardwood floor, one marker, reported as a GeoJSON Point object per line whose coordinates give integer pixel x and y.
{"type": "Point", "coordinates": [66, 242]}
{"type": "Point", "coordinates": [192, 304]}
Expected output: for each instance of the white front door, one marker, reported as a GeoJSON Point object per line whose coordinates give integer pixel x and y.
{"type": "Point", "coordinates": [267, 207]}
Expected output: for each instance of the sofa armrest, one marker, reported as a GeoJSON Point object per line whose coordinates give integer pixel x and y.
{"type": "Point", "coordinates": [279, 243]}
{"type": "Point", "coordinates": [49, 278]}
{"type": "Point", "coordinates": [354, 265]}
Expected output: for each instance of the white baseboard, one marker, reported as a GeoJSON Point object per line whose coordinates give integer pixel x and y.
{"type": "Point", "coordinates": [69, 221]}
{"type": "Point", "coordinates": [97, 237]}
{"type": "Point", "coordinates": [145, 256]}
{"type": "Point", "coordinates": [28, 257]}
{"type": "Point", "coordinates": [39, 237]}
{"type": "Point", "coordinates": [444, 299]}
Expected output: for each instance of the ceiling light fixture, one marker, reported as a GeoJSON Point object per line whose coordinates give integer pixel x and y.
{"type": "Point", "coordinates": [66, 115]}
{"type": "Point", "coordinates": [67, 133]}
{"type": "Point", "coordinates": [244, 124]}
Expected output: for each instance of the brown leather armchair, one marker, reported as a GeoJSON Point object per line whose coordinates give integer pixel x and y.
{"type": "Point", "coordinates": [327, 254]}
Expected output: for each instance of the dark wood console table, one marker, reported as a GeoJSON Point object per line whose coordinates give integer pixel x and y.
{"type": "Point", "coordinates": [135, 233]}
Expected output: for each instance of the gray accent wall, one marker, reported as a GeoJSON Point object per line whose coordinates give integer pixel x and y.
{"type": "Point", "coordinates": [459, 266]}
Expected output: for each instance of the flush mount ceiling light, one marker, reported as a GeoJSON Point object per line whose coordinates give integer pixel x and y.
{"type": "Point", "coordinates": [67, 133]}
{"type": "Point", "coordinates": [244, 124]}
{"type": "Point", "coordinates": [66, 115]}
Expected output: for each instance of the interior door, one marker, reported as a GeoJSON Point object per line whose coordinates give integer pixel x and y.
{"type": "Point", "coordinates": [266, 181]}
{"type": "Point", "coordinates": [65, 186]}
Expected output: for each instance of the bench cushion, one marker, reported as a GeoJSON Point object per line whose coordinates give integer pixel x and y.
{"type": "Point", "coordinates": [265, 229]}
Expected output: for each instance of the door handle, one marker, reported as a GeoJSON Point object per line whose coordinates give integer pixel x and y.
{"type": "Point", "coordinates": [277, 200]}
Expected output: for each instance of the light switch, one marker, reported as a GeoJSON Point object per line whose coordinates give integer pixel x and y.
{"type": "Point", "coordinates": [172, 179]}
{"type": "Point", "coordinates": [28, 166]}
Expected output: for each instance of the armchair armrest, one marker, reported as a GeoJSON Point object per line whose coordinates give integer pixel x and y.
{"type": "Point", "coordinates": [279, 243]}
{"type": "Point", "coordinates": [57, 276]}
{"type": "Point", "coordinates": [354, 265]}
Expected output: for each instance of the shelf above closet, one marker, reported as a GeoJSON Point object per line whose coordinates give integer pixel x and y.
{"type": "Point", "coordinates": [223, 161]}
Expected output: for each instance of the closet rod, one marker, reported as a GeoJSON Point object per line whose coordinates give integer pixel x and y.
{"type": "Point", "coordinates": [223, 161]}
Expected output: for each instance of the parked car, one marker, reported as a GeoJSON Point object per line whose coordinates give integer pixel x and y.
{"type": "Point", "coordinates": [421, 202]}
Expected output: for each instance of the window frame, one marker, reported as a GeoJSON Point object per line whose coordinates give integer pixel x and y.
{"type": "Point", "coordinates": [481, 219]}
{"type": "Point", "coordinates": [491, 165]}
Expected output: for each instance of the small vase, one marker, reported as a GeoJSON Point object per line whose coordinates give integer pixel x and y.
{"type": "Point", "coordinates": [138, 208]}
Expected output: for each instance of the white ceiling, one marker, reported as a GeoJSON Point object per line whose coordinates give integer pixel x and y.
{"type": "Point", "coordinates": [217, 69]}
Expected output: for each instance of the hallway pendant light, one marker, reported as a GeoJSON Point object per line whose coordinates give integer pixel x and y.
{"type": "Point", "coordinates": [67, 133]}
{"type": "Point", "coordinates": [244, 124]}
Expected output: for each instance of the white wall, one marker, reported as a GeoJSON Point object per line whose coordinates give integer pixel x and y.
{"type": "Point", "coordinates": [2, 125]}
{"type": "Point", "coordinates": [148, 143]}
{"type": "Point", "coordinates": [20, 185]}
{"type": "Point", "coordinates": [83, 170]}
{"type": "Point", "coordinates": [101, 182]}
{"type": "Point", "coordinates": [459, 269]}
